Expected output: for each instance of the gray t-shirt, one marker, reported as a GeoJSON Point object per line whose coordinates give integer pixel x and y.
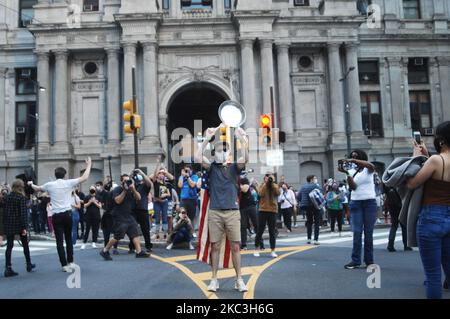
{"type": "Point", "coordinates": [223, 186]}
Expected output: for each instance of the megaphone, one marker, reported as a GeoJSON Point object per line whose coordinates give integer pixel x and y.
{"type": "Point", "coordinates": [232, 114]}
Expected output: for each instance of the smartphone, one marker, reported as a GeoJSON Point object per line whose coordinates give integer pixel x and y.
{"type": "Point", "coordinates": [417, 137]}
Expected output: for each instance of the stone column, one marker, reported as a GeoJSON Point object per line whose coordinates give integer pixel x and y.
{"type": "Point", "coordinates": [267, 73]}
{"type": "Point", "coordinates": [2, 108]}
{"type": "Point", "coordinates": [113, 116]}
{"type": "Point", "coordinates": [336, 98]}
{"type": "Point", "coordinates": [151, 113]}
{"type": "Point", "coordinates": [397, 90]}
{"type": "Point", "coordinates": [248, 82]}
{"type": "Point", "coordinates": [61, 99]}
{"type": "Point", "coordinates": [353, 91]}
{"type": "Point", "coordinates": [444, 79]}
{"type": "Point", "coordinates": [285, 89]}
{"type": "Point", "coordinates": [129, 61]}
{"type": "Point", "coordinates": [43, 76]}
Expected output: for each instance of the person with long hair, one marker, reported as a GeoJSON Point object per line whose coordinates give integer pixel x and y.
{"type": "Point", "coordinates": [363, 205]}
{"type": "Point", "coordinates": [433, 225]}
{"type": "Point", "coordinates": [268, 210]}
{"type": "Point", "coordinates": [15, 221]}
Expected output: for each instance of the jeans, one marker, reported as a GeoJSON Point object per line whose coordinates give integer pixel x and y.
{"type": "Point", "coordinates": [10, 245]}
{"type": "Point", "coordinates": [181, 236]}
{"type": "Point", "coordinates": [395, 212]}
{"type": "Point", "coordinates": [161, 214]}
{"type": "Point", "coordinates": [363, 214]}
{"type": "Point", "coordinates": [247, 214]}
{"type": "Point", "coordinates": [75, 220]}
{"type": "Point", "coordinates": [433, 236]}
{"type": "Point", "coordinates": [36, 222]}
{"type": "Point", "coordinates": [335, 215]}
{"type": "Point", "coordinates": [287, 217]}
{"type": "Point", "coordinates": [62, 223]}
{"type": "Point", "coordinates": [142, 219]}
{"type": "Point", "coordinates": [312, 216]}
{"type": "Point", "coordinates": [270, 219]}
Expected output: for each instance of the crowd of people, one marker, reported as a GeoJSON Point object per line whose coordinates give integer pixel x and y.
{"type": "Point", "coordinates": [239, 206]}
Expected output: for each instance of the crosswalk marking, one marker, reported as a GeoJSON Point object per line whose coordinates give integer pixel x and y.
{"type": "Point", "coordinates": [334, 238]}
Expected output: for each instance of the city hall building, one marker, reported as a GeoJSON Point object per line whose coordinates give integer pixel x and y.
{"type": "Point", "coordinates": [384, 64]}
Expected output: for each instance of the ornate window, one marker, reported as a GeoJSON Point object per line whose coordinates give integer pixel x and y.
{"type": "Point", "coordinates": [411, 9]}
{"type": "Point", "coordinates": [420, 106]}
{"type": "Point", "coordinates": [371, 114]}
{"type": "Point", "coordinates": [26, 12]}
{"type": "Point", "coordinates": [90, 5]}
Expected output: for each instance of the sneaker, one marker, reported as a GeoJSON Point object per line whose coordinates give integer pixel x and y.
{"type": "Point", "coordinates": [408, 249]}
{"type": "Point", "coordinates": [352, 265]}
{"type": "Point", "coordinates": [369, 263]}
{"type": "Point", "coordinates": [316, 242]}
{"type": "Point", "coordinates": [165, 236]}
{"type": "Point", "coordinates": [191, 247]}
{"type": "Point", "coordinates": [273, 254]}
{"type": "Point", "coordinates": [115, 251]}
{"type": "Point", "coordinates": [391, 249]}
{"type": "Point", "coordinates": [288, 231]}
{"type": "Point", "coordinates": [30, 267]}
{"type": "Point", "coordinates": [295, 226]}
{"type": "Point", "coordinates": [157, 237]}
{"type": "Point", "coordinates": [213, 285]}
{"type": "Point", "coordinates": [244, 248]}
{"type": "Point", "coordinates": [309, 242]}
{"type": "Point", "coordinates": [169, 247]}
{"type": "Point", "coordinates": [105, 255]}
{"type": "Point", "coordinates": [66, 269]}
{"type": "Point", "coordinates": [131, 251]}
{"type": "Point", "coordinates": [142, 254]}
{"type": "Point", "coordinates": [10, 273]}
{"type": "Point", "coordinates": [240, 285]}
{"type": "Point", "coordinates": [83, 247]}
{"type": "Point", "coordinates": [94, 245]}
{"type": "Point", "coordinates": [256, 254]}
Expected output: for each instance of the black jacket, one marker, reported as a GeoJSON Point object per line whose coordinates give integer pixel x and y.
{"type": "Point", "coordinates": [15, 216]}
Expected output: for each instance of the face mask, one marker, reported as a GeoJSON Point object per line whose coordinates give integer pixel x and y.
{"type": "Point", "coordinates": [221, 157]}
{"type": "Point", "coordinates": [92, 191]}
{"type": "Point", "coordinates": [139, 178]}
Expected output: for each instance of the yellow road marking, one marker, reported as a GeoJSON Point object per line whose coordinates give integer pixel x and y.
{"type": "Point", "coordinates": [254, 271]}
{"type": "Point", "coordinates": [250, 294]}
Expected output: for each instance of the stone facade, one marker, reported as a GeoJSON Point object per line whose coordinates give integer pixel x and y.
{"type": "Point", "coordinates": [255, 46]}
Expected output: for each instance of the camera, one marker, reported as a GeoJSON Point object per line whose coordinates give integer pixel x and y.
{"type": "Point", "coordinates": [129, 182]}
{"type": "Point", "coordinates": [344, 165]}
{"type": "Point", "coordinates": [270, 179]}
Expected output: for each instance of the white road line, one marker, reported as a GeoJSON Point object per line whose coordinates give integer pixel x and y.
{"type": "Point", "coordinates": [346, 236]}
{"type": "Point", "coordinates": [20, 249]}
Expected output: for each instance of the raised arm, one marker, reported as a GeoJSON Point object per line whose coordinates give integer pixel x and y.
{"type": "Point", "coordinates": [243, 139]}
{"type": "Point", "coordinates": [199, 158]}
{"type": "Point", "coordinates": [87, 171]}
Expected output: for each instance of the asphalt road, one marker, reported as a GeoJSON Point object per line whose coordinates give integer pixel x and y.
{"type": "Point", "coordinates": [300, 272]}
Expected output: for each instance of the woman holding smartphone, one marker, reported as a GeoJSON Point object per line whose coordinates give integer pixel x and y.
{"type": "Point", "coordinates": [363, 205]}
{"type": "Point", "coordinates": [433, 226]}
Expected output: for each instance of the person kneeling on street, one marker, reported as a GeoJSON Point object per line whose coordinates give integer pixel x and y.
{"type": "Point", "coordinates": [182, 230]}
{"type": "Point", "coordinates": [124, 197]}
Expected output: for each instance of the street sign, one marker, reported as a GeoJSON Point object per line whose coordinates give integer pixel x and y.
{"type": "Point", "coordinates": [275, 158]}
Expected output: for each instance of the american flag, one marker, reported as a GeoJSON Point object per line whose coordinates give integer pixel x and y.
{"type": "Point", "coordinates": [204, 246]}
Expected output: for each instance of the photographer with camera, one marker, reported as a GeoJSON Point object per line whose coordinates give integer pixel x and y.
{"type": "Point", "coordinates": [140, 208]}
{"type": "Point", "coordinates": [363, 204]}
{"type": "Point", "coordinates": [124, 197]}
{"type": "Point", "coordinates": [247, 207]}
{"type": "Point", "coordinates": [182, 230]}
{"type": "Point", "coordinates": [107, 219]}
{"type": "Point", "coordinates": [187, 183]}
{"type": "Point", "coordinates": [161, 193]}
{"type": "Point", "coordinates": [287, 204]}
{"type": "Point", "coordinates": [93, 204]}
{"type": "Point", "coordinates": [268, 208]}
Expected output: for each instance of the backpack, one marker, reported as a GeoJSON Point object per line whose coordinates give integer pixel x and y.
{"type": "Point", "coordinates": [317, 199]}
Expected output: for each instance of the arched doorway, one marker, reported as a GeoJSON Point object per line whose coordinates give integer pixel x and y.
{"type": "Point", "coordinates": [196, 101]}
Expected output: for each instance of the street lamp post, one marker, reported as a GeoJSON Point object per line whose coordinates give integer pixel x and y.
{"type": "Point", "coordinates": [38, 89]}
{"type": "Point", "coordinates": [347, 111]}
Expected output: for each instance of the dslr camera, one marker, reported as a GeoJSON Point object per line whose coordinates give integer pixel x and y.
{"type": "Point", "coordinates": [344, 165]}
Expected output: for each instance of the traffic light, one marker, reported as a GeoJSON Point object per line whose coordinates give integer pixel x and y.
{"type": "Point", "coordinates": [130, 117]}
{"type": "Point", "coordinates": [266, 128]}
